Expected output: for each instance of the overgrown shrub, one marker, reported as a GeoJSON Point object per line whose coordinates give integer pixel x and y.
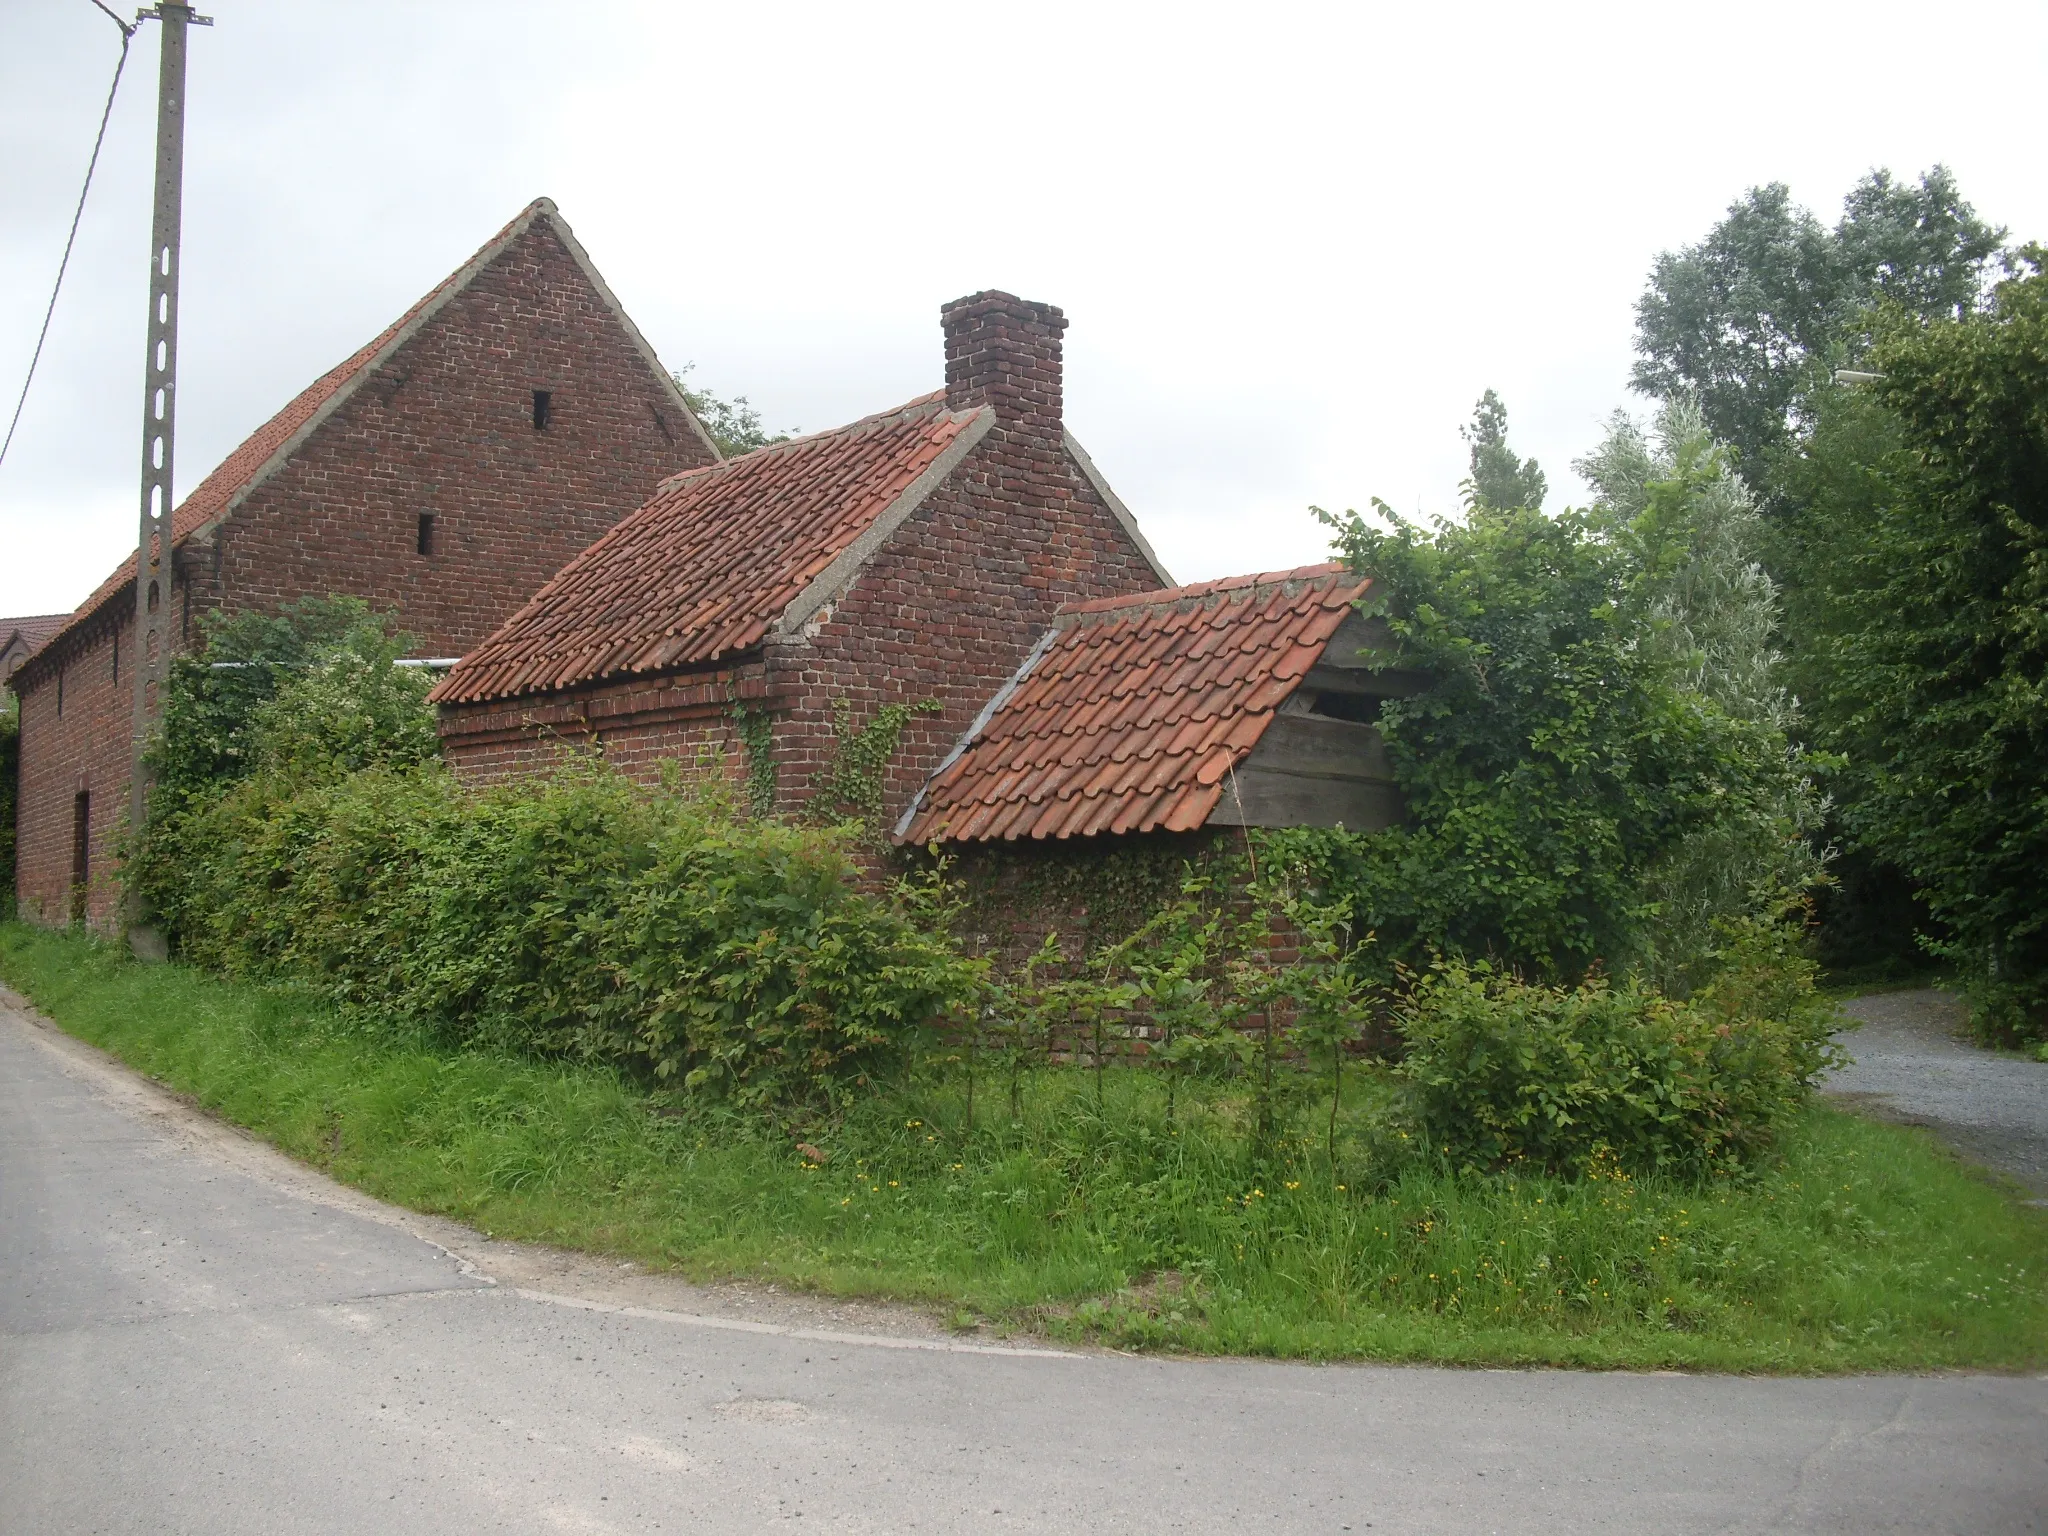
{"type": "Point", "coordinates": [1500, 1070]}
{"type": "Point", "coordinates": [574, 915]}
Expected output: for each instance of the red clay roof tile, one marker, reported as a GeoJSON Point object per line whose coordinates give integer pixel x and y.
{"type": "Point", "coordinates": [710, 564]}
{"type": "Point", "coordinates": [1132, 714]}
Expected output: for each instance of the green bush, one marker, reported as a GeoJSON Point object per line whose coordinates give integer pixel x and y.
{"type": "Point", "coordinates": [577, 915]}
{"type": "Point", "coordinates": [1499, 1070]}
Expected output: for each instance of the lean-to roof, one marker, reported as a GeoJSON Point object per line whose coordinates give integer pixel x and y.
{"type": "Point", "coordinates": [1131, 712]}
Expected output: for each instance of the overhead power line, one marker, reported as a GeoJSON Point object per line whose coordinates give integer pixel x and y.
{"type": "Point", "coordinates": [127, 34]}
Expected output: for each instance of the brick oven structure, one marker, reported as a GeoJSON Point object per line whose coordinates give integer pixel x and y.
{"type": "Point", "coordinates": [443, 472]}
{"type": "Point", "coordinates": [753, 608]}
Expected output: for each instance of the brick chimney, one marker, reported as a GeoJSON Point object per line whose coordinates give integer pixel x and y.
{"type": "Point", "coordinates": [1005, 351]}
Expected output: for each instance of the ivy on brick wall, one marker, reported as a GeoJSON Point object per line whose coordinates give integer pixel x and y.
{"type": "Point", "coordinates": [852, 786]}
{"type": "Point", "coordinates": [756, 731]}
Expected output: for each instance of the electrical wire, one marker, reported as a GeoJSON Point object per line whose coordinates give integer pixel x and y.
{"type": "Point", "coordinates": [127, 36]}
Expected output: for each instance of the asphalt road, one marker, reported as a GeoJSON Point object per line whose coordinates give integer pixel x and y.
{"type": "Point", "coordinates": [1914, 1064]}
{"type": "Point", "coordinates": [196, 1335]}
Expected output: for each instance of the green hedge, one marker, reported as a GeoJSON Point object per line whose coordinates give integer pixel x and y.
{"type": "Point", "coordinates": [573, 914]}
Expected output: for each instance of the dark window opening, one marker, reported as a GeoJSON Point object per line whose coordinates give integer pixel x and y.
{"type": "Point", "coordinates": [1362, 708]}
{"type": "Point", "coordinates": [115, 648]}
{"type": "Point", "coordinates": [426, 543]}
{"type": "Point", "coordinates": [543, 409]}
{"type": "Point", "coordinates": [81, 852]}
{"type": "Point", "coordinates": [60, 693]}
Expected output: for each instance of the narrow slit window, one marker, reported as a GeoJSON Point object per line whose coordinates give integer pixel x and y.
{"type": "Point", "coordinates": [115, 648]}
{"type": "Point", "coordinates": [60, 693]}
{"type": "Point", "coordinates": [543, 409]}
{"type": "Point", "coordinates": [426, 535]}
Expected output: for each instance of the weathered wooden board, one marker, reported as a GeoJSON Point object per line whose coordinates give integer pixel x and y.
{"type": "Point", "coordinates": [1271, 799]}
{"type": "Point", "coordinates": [1310, 772]}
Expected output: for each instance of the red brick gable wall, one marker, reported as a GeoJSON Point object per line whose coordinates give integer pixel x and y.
{"type": "Point", "coordinates": [444, 427]}
{"type": "Point", "coordinates": [948, 608]}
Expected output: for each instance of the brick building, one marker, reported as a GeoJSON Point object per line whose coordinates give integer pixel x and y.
{"type": "Point", "coordinates": [1145, 732]}
{"type": "Point", "coordinates": [20, 638]}
{"type": "Point", "coordinates": [750, 607]}
{"type": "Point", "coordinates": [443, 472]}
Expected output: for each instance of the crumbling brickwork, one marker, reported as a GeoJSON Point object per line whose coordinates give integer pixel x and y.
{"type": "Point", "coordinates": [438, 483]}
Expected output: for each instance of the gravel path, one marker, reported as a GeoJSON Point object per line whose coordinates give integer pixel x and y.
{"type": "Point", "coordinates": [1914, 1063]}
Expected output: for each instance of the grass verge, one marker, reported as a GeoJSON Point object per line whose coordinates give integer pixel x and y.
{"type": "Point", "coordinates": [1861, 1246]}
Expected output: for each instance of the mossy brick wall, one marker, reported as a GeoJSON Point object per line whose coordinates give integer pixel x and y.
{"type": "Point", "coordinates": [444, 427]}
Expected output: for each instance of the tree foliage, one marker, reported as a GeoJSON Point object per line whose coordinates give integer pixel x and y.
{"type": "Point", "coordinates": [1923, 546]}
{"type": "Point", "coordinates": [733, 425]}
{"type": "Point", "coordinates": [1563, 754]}
{"type": "Point", "coordinates": [1673, 500]}
{"type": "Point", "coordinates": [1744, 319]}
{"type": "Point", "coordinates": [1497, 480]}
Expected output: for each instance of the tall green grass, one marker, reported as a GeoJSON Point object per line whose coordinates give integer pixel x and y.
{"type": "Point", "coordinates": [1855, 1246]}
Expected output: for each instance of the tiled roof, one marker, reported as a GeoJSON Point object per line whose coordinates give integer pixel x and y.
{"type": "Point", "coordinates": [1132, 711]}
{"type": "Point", "coordinates": [242, 468]}
{"type": "Point", "coordinates": [710, 564]}
{"type": "Point", "coordinates": [34, 629]}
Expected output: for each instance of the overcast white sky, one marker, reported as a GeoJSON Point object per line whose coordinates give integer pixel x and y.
{"type": "Point", "coordinates": [1294, 242]}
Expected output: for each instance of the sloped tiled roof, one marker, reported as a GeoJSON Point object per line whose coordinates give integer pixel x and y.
{"type": "Point", "coordinates": [34, 629]}
{"type": "Point", "coordinates": [1132, 711]}
{"type": "Point", "coordinates": [242, 469]}
{"type": "Point", "coordinates": [712, 562]}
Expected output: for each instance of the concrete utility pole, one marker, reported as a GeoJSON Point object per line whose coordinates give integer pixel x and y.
{"type": "Point", "coordinates": [152, 655]}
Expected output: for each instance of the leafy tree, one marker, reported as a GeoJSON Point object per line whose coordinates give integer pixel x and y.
{"type": "Point", "coordinates": [1674, 501]}
{"type": "Point", "coordinates": [734, 425]}
{"type": "Point", "coordinates": [1556, 762]}
{"type": "Point", "coordinates": [1925, 548]}
{"type": "Point", "coordinates": [1744, 319]}
{"type": "Point", "coordinates": [1498, 479]}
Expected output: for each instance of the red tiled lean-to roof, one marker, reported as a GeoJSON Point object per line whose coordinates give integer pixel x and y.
{"type": "Point", "coordinates": [1131, 712]}
{"type": "Point", "coordinates": [715, 559]}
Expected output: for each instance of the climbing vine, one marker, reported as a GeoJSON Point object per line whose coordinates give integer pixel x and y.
{"type": "Point", "coordinates": [756, 731]}
{"type": "Point", "coordinates": [852, 785]}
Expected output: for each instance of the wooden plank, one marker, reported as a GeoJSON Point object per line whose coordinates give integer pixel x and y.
{"type": "Point", "coordinates": [1310, 744]}
{"type": "Point", "coordinates": [1274, 799]}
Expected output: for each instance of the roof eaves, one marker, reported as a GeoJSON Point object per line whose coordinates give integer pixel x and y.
{"type": "Point", "coordinates": [1001, 697]}
{"type": "Point", "coordinates": [1115, 503]}
{"type": "Point", "coordinates": [829, 584]}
